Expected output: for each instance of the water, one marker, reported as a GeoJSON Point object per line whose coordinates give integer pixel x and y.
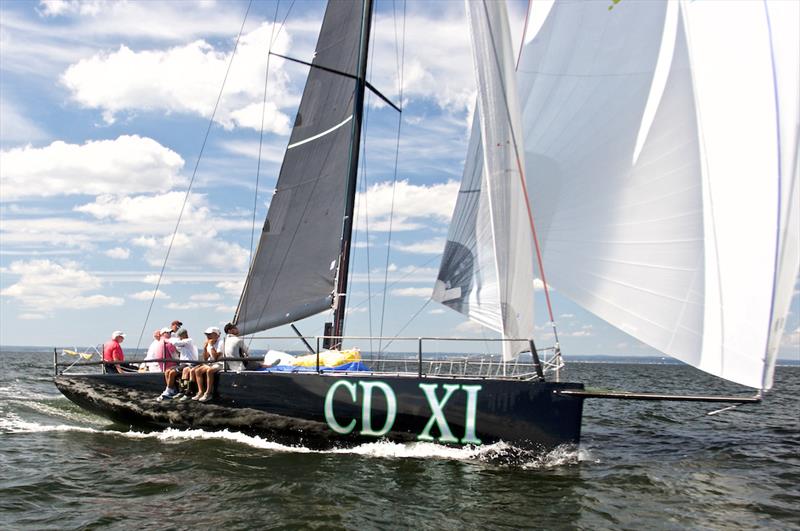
{"type": "Point", "coordinates": [642, 465]}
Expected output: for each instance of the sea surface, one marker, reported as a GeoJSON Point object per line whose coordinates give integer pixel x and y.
{"type": "Point", "coordinates": [641, 465]}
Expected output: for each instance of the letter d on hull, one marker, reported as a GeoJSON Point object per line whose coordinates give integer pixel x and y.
{"type": "Point", "coordinates": [366, 408]}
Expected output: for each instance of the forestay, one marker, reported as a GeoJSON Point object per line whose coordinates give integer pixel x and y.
{"type": "Point", "coordinates": [487, 268]}
{"type": "Point", "coordinates": [661, 149]}
{"type": "Point", "coordinates": [293, 271]}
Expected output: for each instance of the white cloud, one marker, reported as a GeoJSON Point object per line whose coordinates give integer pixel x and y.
{"type": "Point", "coordinates": [412, 292]}
{"type": "Point", "coordinates": [271, 152]}
{"type": "Point", "coordinates": [153, 279]}
{"type": "Point", "coordinates": [147, 295]}
{"type": "Point", "coordinates": [129, 164]}
{"type": "Point", "coordinates": [45, 286]}
{"type": "Point", "coordinates": [141, 221]}
{"type": "Point", "coordinates": [171, 21]}
{"type": "Point", "coordinates": [203, 247]}
{"type": "Point", "coordinates": [55, 8]}
{"type": "Point", "coordinates": [118, 253]}
{"type": "Point", "coordinates": [413, 205]}
{"type": "Point", "coordinates": [432, 246]}
{"type": "Point", "coordinates": [791, 338]}
{"type": "Point", "coordinates": [194, 305]}
{"type": "Point", "coordinates": [436, 311]}
{"type": "Point", "coordinates": [205, 297]}
{"type": "Point", "coordinates": [437, 63]}
{"type": "Point", "coordinates": [231, 287]}
{"type": "Point", "coordinates": [186, 79]}
{"type": "Point", "coordinates": [146, 210]}
{"type": "Point", "coordinates": [567, 315]}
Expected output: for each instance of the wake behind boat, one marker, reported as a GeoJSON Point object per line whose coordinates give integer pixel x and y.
{"type": "Point", "coordinates": [612, 171]}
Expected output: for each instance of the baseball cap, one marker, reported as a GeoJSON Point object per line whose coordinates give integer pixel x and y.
{"type": "Point", "coordinates": [117, 333]}
{"type": "Point", "coordinates": [166, 330]}
{"type": "Point", "coordinates": [212, 330]}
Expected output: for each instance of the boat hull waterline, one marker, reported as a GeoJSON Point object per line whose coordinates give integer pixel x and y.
{"type": "Point", "coordinates": [329, 411]}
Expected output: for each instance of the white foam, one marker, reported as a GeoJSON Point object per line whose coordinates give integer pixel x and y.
{"type": "Point", "coordinates": [422, 450]}
{"type": "Point", "coordinates": [171, 434]}
{"type": "Point", "coordinates": [21, 391]}
{"type": "Point", "coordinates": [561, 456]}
{"type": "Point", "coordinates": [11, 423]}
{"type": "Point", "coordinates": [52, 411]}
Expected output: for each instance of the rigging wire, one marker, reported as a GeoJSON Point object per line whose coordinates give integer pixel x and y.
{"type": "Point", "coordinates": [399, 280]}
{"type": "Point", "coordinates": [283, 23]}
{"type": "Point", "coordinates": [410, 320]}
{"type": "Point", "coordinates": [261, 143]}
{"type": "Point", "coordinates": [401, 65]}
{"type": "Point", "coordinates": [194, 175]}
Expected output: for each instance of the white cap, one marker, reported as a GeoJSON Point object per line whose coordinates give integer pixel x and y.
{"type": "Point", "coordinates": [212, 330]}
{"type": "Point", "coordinates": [117, 333]}
{"type": "Point", "coordinates": [166, 330]}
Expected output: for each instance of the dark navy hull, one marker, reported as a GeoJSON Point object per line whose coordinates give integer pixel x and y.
{"type": "Point", "coordinates": [324, 411]}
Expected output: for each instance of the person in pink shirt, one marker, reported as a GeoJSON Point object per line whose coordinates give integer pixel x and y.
{"type": "Point", "coordinates": [112, 352]}
{"type": "Point", "coordinates": [167, 353]}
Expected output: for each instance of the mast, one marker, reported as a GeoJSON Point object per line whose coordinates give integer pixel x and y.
{"type": "Point", "coordinates": [340, 295]}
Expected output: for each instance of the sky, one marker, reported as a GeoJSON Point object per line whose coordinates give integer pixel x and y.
{"type": "Point", "coordinates": [104, 107]}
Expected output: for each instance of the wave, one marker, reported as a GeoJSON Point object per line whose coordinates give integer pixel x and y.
{"type": "Point", "coordinates": [23, 391]}
{"type": "Point", "coordinates": [498, 453]}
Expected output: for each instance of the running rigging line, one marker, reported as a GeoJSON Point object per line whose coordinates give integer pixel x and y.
{"type": "Point", "coordinates": [194, 174]}
{"type": "Point", "coordinates": [401, 65]}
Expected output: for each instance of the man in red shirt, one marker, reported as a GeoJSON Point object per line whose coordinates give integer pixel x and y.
{"type": "Point", "coordinates": [112, 351]}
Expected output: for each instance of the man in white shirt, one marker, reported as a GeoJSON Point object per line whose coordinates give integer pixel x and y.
{"type": "Point", "coordinates": [188, 352]}
{"type": "Point", "coordinates": [234, 347]}
{"type": "Point", "coordinates": [154, 352]}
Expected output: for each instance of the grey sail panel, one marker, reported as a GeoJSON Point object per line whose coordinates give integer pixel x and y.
{"type": "Point", "coordinates": [293, 271]}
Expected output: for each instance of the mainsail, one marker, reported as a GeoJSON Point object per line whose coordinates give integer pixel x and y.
{"type": "Point", "coordinates": [487, 268]}
{"type": "Point", "coordinates": [661, 141]}
{"type": "Point", "coordinates": [294, 269]}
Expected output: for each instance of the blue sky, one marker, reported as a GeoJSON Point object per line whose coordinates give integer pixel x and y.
{"type": "Point", "coordinates": [103, 110]}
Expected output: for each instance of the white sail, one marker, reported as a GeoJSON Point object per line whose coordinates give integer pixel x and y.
{"type": "Point", "coordinates": [487, 267]}
{"type": "Point", "coordinates": [661, 146]}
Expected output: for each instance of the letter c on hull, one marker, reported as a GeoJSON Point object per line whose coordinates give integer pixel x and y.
{"type": "Point", "coordinates": [329, 418]}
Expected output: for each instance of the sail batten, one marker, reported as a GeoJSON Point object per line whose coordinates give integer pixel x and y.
{"type": "Point", "coordinates": [294, 268]}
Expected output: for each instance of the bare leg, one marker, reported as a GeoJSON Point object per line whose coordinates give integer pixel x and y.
{"type": "Point", "coordinates": [171, 376]}
{"type": "Point", "coordinates": [210, 375]}
{"type": "Point", "coordinates": [199, 376]}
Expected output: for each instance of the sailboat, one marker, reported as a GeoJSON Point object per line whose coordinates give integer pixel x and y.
{"type": "Point", "coordinates": [605, 169]}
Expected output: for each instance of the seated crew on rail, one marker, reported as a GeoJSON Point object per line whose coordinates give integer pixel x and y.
{"type": "Point", "coordinates": [204, 374]}
{"type": "Point", "coordinates": [234, 347]}
{"type": "Point", "coordinates": [112, 352]}
{"type": "Point", "coordinates": [188, 353]}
